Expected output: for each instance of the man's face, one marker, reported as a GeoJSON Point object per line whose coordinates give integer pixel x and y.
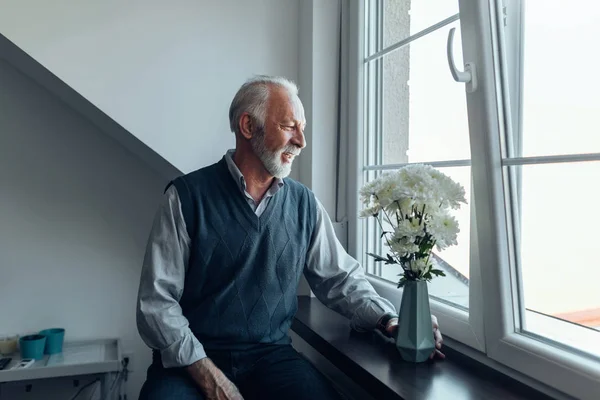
{"type": "Point", "coordinates": [282, 138]}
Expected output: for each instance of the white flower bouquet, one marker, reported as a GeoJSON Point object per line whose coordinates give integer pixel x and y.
{"type": "Point", "coordinates": [414, 202]}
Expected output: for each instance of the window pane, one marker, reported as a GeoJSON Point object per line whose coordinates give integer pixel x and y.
{"type": "Point", "coordinates": [559, 264]}
{"type": "Point", "coordinates": [424, 112]}
{"type": "Point", "coordinates": [561, 87]}
{"type": "Point", "coordinates": [453, 288]}
{"type": "Point", "coordinates": [403, 18]}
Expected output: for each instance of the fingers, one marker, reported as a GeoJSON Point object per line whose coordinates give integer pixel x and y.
{"type": "Point", "coordinates": [439, 340]}
{"type": "Point", "coordinates": [437, 354]}
{"type": "Point", "coordinates": [434, 322]}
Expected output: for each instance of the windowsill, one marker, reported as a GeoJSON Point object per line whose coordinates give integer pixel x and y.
{"type": "Point", "coordinates": [374, 363]}
{"type": "Point", "coordinates": [563, 332]}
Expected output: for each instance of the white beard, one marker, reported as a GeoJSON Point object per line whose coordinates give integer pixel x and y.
{"type": "Point", "coordinates": [272, 160]}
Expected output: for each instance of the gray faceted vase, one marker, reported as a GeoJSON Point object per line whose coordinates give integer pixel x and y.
{"type": "Point", "coordinates": [414, 339]}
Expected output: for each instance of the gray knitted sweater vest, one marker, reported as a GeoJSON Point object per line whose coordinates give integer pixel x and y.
{"type": "Point", "coordinates": [243, 272]}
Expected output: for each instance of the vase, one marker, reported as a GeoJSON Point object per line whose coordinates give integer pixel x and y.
{"type": "Point", "coordinates": [414, 339]}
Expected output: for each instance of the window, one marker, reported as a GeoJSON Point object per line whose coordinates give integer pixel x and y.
{"type": "Point", "coordinates": [411, 101]}
{"type": "Point", "coordinates": [522, 283]}
{"type": "Point", "coordinates": [553, 157]}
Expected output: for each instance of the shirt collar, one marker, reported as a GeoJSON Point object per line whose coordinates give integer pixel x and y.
{"type": "Point", "coordinates": [238, 177]}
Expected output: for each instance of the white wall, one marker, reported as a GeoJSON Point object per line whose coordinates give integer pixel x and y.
{"type": "Point", "coordinates": [166, 71]}
{"type": "Point", "coordinates": [318, 79]}
{"type": "Point", "coordinates": [75, 212]}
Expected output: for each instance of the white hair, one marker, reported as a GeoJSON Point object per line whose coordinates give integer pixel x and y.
{"type": "Point", "coordinates": [252, 98]}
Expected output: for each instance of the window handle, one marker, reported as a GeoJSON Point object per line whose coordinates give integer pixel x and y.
{"type": "Point", "coordinates": [469, 75]}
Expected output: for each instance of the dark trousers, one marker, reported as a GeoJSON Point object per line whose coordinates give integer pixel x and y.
{"type": "Point", "coordinates": [267, 372]}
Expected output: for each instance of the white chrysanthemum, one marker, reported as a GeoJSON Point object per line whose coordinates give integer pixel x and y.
{"type": "Point", "coordinates": [406, 204]}
{"type": "Point", "coordinates": [409, 230]}
{"type": "Point", "coordinates": [444, 229]}
{"type": "Point", "coordinates": [370, 211]}
{"type": "Point", "coordinates": [403, 247]}
{"type": "Point", "coordinates": [368, 190]}
{"type": "Point", "coordinates": [386, 190]}
{"type": "Point", "coordinates": [415, 200]}
{"type": "Point", "coordinates": [419, 266]}
{"type": "Point", "coordinates": [451, 193]}
{"type": "Point", "coordinates": [406, 234]}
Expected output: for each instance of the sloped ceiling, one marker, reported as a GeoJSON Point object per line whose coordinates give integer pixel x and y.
{"type": "Point", "coordinates": [164, 71]}
{"type": "Point", "coordinates": [13, 55]}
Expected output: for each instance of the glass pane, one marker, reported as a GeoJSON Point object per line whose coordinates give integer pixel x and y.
{"type": "Point", "coordinates": [424, 112]}
{"type": "Point", "coordinates": [403, 18]}
{"type": "Point", "coordinates": [559, 264]}
{"type": "Point", "coordinates": [454, 261]}
{"type": "Point", "coordinates": [561, 87]}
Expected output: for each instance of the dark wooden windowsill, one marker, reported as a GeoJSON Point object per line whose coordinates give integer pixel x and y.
{"type": "Point", "coordinates": [373, 362]}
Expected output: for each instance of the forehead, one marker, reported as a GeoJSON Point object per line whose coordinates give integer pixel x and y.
{"type": "Point", "coordinates": [283, 105]}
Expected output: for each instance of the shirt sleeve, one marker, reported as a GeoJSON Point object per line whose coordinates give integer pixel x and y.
{"type": "Point", "coordinates": [160, 320]}
{"type": "Point", "coordinates": [339, 281]}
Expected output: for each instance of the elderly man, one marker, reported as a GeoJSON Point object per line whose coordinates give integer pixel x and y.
{"type": "Point", "coordinates": [226, 252]}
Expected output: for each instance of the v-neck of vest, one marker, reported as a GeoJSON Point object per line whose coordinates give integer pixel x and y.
{"type": "Point", "coordinates": [255, 222]}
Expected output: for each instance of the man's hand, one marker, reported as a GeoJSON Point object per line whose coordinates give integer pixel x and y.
{"type": "Point", "coordinates": [212, 381]}
{"type": "Point", "coordinates": [392, 330]}
{"type": "Point", "coordinates": [437, 336]}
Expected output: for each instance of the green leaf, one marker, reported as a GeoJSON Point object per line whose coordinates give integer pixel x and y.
{"type": "Point", "coordinates": [383, 233]}
{"type": "Point", "coordinates": [438, 272]}
{"type": "Point", "coordinates": [402, 282]}
{"type": "Point", "coordinates": [388, 260]}
{"type": "Point", "coordinates": [376, 257]}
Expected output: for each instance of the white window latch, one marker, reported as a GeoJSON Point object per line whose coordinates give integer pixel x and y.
{"type": "Point", "coordinates": [469, 75]}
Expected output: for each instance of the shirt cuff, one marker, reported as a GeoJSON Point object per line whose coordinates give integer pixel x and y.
{"type": "Point", "coordinates": [367, 317]}
{"type": "Point", "coordinates": [183, 352]}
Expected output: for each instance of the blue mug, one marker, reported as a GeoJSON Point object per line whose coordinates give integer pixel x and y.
{"type": "Point", "coordinates": [54, 340]}
{"type": "Point", "coordinates": [32, 346]}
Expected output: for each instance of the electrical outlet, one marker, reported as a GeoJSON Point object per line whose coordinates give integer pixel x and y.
{"type": "Point", "coordinates": [127, 361]}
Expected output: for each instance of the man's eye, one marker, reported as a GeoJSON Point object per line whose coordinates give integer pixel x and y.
{"type": "Point", "coordinates": [288, 127]}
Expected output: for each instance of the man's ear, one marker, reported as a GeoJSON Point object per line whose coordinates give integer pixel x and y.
{"type": "Point", "coordinates": [247, 126]}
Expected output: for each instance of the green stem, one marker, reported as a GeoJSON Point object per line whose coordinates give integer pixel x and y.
{"type": "Point", "coordinates": [399, 213]}
{"type": "Point", "coordinates": [384, 213]}
{"type": "Point", "coordinates": [422, 215]}
{"type": "Point", "coordinates": [387, 217]}
{"type": "Point", "coordinates": [429, 253]}
{"type": "Point", "coordinates": [386, 238]}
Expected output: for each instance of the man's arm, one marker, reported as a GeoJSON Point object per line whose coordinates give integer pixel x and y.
{"type": "Point", "coordinates": [338, 280]}
{"type": "Point", "coordinates": [160, 319]}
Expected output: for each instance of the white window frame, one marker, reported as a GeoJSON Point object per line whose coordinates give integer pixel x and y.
{"type": "Point", "coordinates": [488, 108]}
{"type": "Point", "coordinates": [565, 370]}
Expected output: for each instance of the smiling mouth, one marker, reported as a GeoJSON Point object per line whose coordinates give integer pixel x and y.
{"type": "Point", "coordinates": [289, 156]}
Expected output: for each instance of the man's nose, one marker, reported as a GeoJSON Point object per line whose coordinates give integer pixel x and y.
{"type": "Point", "coordinates": [299, 139]}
